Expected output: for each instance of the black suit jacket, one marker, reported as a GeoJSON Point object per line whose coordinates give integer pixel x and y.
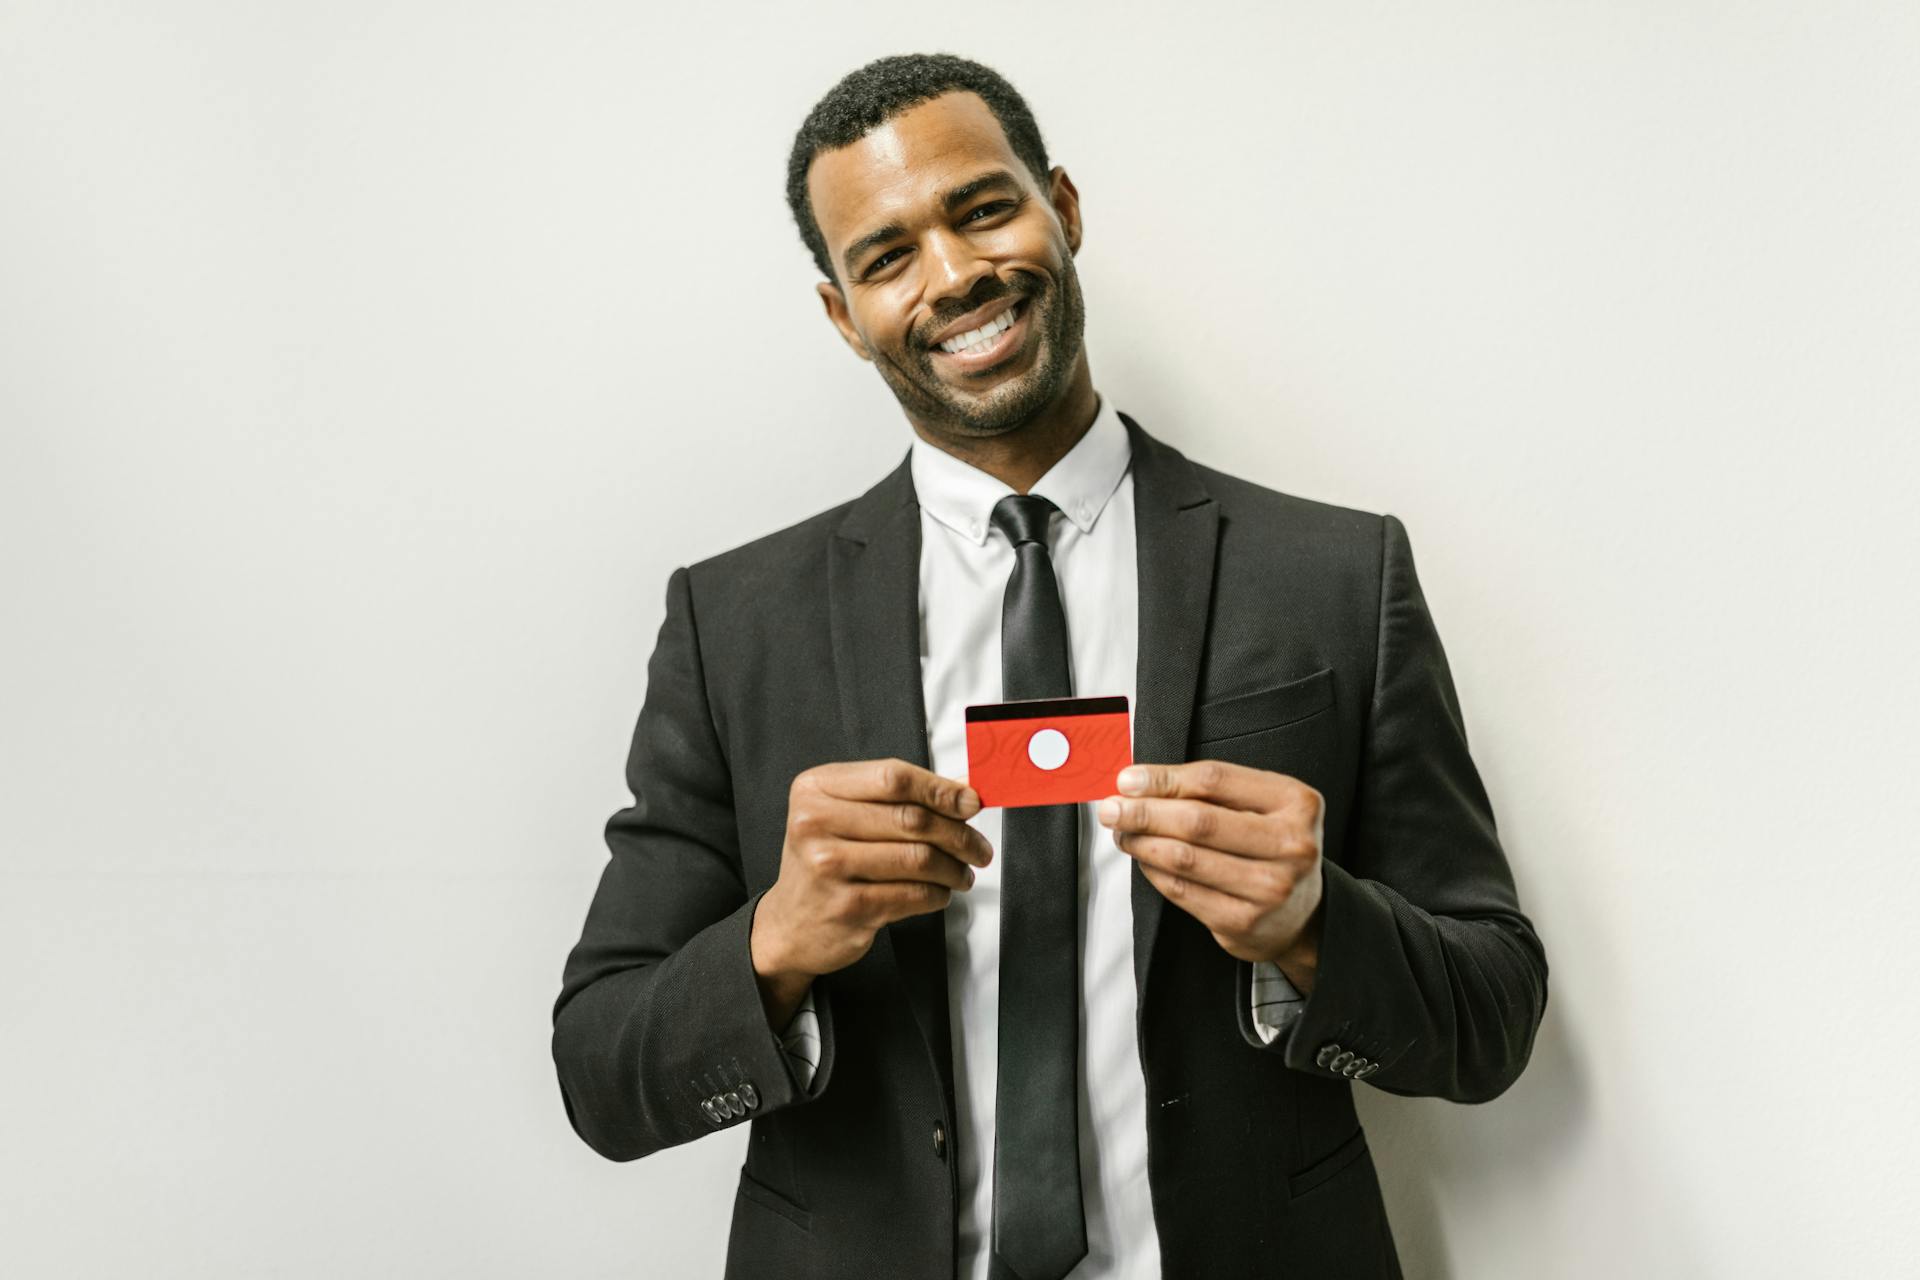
{"type": "Point", "coordinates": [1276, 632]}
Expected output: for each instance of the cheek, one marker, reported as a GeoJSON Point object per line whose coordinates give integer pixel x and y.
{"type": "Point", "coordinates": [886, 326]}
{"type": "Point", "coordinates": [1042, 255]}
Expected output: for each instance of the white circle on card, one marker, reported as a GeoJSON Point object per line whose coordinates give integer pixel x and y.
{"type": "Point", "coordinates": [1047, 749]}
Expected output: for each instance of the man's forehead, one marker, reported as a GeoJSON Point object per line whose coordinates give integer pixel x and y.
{"type": "Point", "coordinates": [909, 160]}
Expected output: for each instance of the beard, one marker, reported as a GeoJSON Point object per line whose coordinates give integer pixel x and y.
{"type": "Point", "coordinates": [1057, 317]}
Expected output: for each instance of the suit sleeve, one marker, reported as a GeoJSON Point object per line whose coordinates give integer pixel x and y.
{"type": "Point", "coordinates": [659, 1027]}
{"type": "Point", "coordinates": [1431, 981]}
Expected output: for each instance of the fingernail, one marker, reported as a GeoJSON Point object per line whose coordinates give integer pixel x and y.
{"type": "Point", "coordinates": [969, 802]}
{"type": "Point", "coordinates": [1109, 811]}
{"type": "Point", "coordinates": [1132, 779]}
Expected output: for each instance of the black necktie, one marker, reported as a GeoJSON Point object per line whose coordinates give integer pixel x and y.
{"type": "Point", "coordinates": [1039, 1228]}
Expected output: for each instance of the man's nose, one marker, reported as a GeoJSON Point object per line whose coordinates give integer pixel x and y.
{"type": "Point", "coordinates": [954, 267]}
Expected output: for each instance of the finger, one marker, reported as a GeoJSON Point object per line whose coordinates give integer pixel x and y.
{"type": "Point", "coordinates": [896, 900]}
{"type": "Point", "coordinates": [879, 821]}
{"type": "Point", "coordinates": [1220, 912]}
{"type": "Point", "coordinates": [1251, 835]}
{"type": "Point", "coordinates": [890, 861]}
{"type": "Point", "coordinates": [1237, 786]}
{"type": "Point", "coordinates": [1264, 883]}
{"type": "Point", "coordinates": [900, 780]}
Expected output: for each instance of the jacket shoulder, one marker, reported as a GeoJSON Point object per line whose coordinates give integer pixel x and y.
{"type": "Point", "coordinates": [1266, 511]}
{"type": "Point", "coordinates": [759, 582]}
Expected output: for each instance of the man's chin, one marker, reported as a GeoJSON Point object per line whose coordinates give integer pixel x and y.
{"type": "Point", "coordinates": [984, 392]}
{"type": "Point", "coordinates": [995, 410]}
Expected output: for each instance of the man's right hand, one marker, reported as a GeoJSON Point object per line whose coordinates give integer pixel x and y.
{"type": "Point", "coordinates": [868, 842]}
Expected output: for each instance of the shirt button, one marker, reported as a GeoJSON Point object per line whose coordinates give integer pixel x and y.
{"type": "Point", "coordinates": [940, 1140]}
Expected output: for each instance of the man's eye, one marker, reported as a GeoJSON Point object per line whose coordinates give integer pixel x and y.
{"type": "Point", "coordinates": [996, 206]}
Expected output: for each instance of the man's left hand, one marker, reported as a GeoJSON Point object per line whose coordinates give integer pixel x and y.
{"type": "Point", "coordinates": [1237, 848]}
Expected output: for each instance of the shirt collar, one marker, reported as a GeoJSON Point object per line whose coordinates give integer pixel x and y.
{"type": "Point", "coordinates": [962, 497]}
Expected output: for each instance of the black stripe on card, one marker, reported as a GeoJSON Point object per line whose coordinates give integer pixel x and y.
{"type": "Point", "coordinates": [1037, 708]}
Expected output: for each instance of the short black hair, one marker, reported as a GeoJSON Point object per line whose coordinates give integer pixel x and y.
{"type": "Point", "coordinates": [867, 98]}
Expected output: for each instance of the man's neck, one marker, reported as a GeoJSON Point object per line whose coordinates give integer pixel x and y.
{"type": "Point", "coordinates": [1020, 457]}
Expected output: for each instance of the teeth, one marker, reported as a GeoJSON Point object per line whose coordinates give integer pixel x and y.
{"type": "Point", "coordinates": [985, 333]}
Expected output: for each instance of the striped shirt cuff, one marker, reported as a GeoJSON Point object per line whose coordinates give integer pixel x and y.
{"type": "Point", "coordinates": [1276, 1002]}
{"type": "Point", "coordinates": [801, 1040]}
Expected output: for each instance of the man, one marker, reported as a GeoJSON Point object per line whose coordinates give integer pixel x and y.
{"type": "Point", "coordinates": [1099, 1040]}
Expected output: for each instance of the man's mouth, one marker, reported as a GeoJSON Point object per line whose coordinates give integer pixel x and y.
{"type": "Point", "coordinates": [990, 341]}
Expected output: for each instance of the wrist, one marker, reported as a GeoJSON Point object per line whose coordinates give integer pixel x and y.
{"type": "Point", "coordinates": [766, 941]}
{"type": "Point", "coordinates": [1300, 960]}
{"type": "Point", "coordinates": [782, 984]}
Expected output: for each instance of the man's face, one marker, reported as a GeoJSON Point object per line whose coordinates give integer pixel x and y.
{"type": "Point", "coordinates": [936, 228]}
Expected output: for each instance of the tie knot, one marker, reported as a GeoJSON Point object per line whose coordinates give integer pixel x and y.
{"type": "Point", "coordinates": [1023, 517]}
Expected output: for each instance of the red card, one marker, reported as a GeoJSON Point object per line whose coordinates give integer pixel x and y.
{"type": "Point", "coordinates": [1047, 750]}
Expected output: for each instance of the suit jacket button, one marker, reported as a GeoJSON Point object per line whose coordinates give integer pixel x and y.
{"type": "Point", "coordinates": [750, 1096]}
{"type": "Point", "coordinates": [940, 1140]}
{"type": "Point", "coordinates": [1340, 1060]}
{"type": "Point", "coordinates": [1326, 1053]}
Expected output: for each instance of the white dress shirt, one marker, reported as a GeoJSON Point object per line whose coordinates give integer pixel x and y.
{"type": "Point", "coordinates": [964, 567]}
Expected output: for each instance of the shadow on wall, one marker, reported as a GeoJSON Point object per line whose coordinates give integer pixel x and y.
{"type": "Point", "coordinates": [1425, 1145]}
{"type": "Point", "coordinates": [1467, 1187]}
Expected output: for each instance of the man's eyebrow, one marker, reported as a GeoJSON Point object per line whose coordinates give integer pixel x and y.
{"type": "Point", "coordinates": [951, 201]}
{"type": "Point", "coordinates": [973, 187]}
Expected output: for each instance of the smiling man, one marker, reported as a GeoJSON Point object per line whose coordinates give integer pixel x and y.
{"type": "Point", "coordinates": [1102, 1039]}
{"type": "Point", "coordinates": [956, 278]}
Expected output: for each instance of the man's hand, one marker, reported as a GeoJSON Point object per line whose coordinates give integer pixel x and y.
{"type": "Point", "coordinates": [1237, 848]}
{"type": "Point", "coordinates": [868, 842]}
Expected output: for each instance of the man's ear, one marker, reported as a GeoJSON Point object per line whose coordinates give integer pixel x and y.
{"type": "Point", "coordinates": [1065, 198]}
{"type": "Point", "coordinates": [836, 306]}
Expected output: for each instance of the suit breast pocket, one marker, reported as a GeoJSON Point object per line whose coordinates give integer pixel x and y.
{"type": "Point", "coordinates": [1264, 709]}
{"type": "Point", "coordinates": [1286, 728]}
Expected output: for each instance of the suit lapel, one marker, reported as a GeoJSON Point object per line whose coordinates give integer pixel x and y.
{"type": "Point", "coordinates": [873, 596]}
{"type": "Point", "coordinates": [1176, 533]}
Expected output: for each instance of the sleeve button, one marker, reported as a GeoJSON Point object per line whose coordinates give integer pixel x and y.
{"type": "Point", "coordinates": [750, 1096]}
{"type": "Point", "coordinates": [940, 1139]}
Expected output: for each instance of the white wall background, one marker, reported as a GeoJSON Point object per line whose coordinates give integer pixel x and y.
{"type": "Point", "coordinates": [366, 368]}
